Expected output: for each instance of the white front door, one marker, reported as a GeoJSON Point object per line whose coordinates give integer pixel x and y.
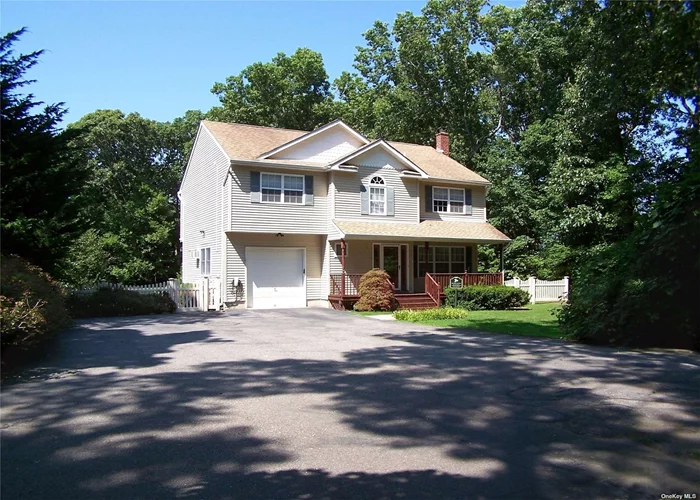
{"type": "Point", "coordinates": [276, 277]}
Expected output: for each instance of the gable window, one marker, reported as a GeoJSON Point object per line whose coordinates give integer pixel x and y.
{"type": "Point", "coordinates": [377, 196]}
{"type": "Point", "coordinates": [448, 200]}
{"type": "Point", "coordinates": [205, 261]}
{"type": "Point", "coordinates": [279, 188]}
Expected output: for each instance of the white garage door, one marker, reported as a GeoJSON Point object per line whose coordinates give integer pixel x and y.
{"type": "Point", "coordinates": [276, 277]}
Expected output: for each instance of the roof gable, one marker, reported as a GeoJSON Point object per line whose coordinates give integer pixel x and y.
{"type": "Point", "coordinates": [323, 148]}
{"type": "Point", "coordinates": [334, 138]}
{"type": "Point", "coordinates": [383, 146]}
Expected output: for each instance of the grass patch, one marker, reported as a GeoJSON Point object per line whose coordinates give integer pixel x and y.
{"type": "Point", "coordinates": [536, 320]}
{"type": "Point", "coordinates": [444, 313]}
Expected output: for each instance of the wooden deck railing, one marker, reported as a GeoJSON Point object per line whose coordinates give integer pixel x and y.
{"type": "Point", "coordinates": [443, 279]}
{"type": "Point", "coordinates": [352, 284]}
{"type": "Point", "coordinates": [432, 288]}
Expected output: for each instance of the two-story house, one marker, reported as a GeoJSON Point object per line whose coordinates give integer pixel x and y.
{"type": "Point", "coordinates": [287, 218]}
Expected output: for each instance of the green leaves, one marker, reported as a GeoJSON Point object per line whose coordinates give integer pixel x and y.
{"type": "Point", "coordinates": [40, 178]}
{"type": "Point", "coordinates": [287, 92]}
{"type": "Point", "coordinates": [130, 201]}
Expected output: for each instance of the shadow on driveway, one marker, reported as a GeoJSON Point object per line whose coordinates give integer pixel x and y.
{"type": "Point", "coordinates": [123, 415]}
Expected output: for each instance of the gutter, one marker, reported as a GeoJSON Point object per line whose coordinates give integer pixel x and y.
{"type": "Point", "coordinates": [284, 166]}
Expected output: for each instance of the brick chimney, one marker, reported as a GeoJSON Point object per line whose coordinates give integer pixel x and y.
{"type": "Point", "coordinates": [442, 142]}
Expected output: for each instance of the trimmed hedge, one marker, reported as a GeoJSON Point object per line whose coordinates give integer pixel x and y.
{"type": "Point", "coordinates": [481, 297]}
{"type": "Point", "coordinates": [376, 292]}
{"type": "Point", "coordinates": [108, 302]}
{"type": "Point", "coordinates": [32, 304]}
{"type": "Point", "coordinates": [430, 314]}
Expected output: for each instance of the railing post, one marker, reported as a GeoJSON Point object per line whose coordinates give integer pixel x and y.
{"type": "Point", "coordinates": [342, 263]}
{"type": "Point", "coordinates": [204, 294]}
{"type": "Point", "coordinates": [173, 291]}
{"type": "Point", "coordinates": [566, 288]}
{"type": "Point", "coordinates": [533, 289]}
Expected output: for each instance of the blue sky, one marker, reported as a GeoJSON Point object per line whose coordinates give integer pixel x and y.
{"type": "Point", "coordinates": [161, 58]}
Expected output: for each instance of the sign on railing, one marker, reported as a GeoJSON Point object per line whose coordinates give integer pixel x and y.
{"type": "Point", "coordinates": [456, 282]}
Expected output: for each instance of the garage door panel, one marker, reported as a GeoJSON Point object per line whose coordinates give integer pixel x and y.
{"type": "Point", "coordinates": [276, 278]}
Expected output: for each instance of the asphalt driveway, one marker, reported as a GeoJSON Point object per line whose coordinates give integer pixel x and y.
{"type": "Point", "coordinates": [316, 404]}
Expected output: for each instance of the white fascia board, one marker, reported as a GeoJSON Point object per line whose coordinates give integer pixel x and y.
{"type": "Point", "coordinates": [309, 135]}
{"type": "Point", "coordinates": [273, 164]}
{"type": "Point", "coordinates": [415, 239]}
{"type": "Point", "coordinates": [388, 148]}
{"type": "Point", "coordinates": [465, 183]}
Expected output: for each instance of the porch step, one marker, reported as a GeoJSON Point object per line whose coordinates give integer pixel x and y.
{"type": "Point", "coordinates": [415, 301]}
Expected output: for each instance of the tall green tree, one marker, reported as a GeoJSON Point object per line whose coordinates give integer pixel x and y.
{"type": "Point", "coordinates": [288, 92]}
{"type": "Point", "coordinates": [129, 203]}
{"type": "Point", "coordinates": [40, 177]}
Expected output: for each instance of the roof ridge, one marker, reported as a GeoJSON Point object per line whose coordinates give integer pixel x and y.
{"type": "Point", "coordinates": [257, 126]}
{"type": "Point", "coordinates": [411, 144]}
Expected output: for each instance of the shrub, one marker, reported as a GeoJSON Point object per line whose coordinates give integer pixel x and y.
{"type": "Point", "coordinates": [108, 302]}
{"type": "Point", "coordinates": [430, 314]}
{"type": "Point", "coordinates": [32, 304]}
{"type": "Point", "coordinates": [481, 297]}
{"type": "Point", "coordinates": [376, 292]}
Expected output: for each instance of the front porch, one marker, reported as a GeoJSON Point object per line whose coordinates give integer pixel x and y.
{"type": "Point", "coordinates": [419, 272]}
{"type": "Point", "coordinates": [344, 289]}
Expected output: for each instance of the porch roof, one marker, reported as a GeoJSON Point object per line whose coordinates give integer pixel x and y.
{"type": "Point", "coordinates": [428, 229]}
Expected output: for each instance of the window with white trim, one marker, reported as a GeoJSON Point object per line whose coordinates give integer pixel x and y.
{"type": "Point", "coordinates": [282, 188]}
{"type": "Point", "coordinates": [339, 250]}
{"type": "Point", "coordinates": [205, 261]}
{"type": "Point", "coordinates": [448, 200]}
{"type": "Point", "coordinates": [442, 260]}
{"type": "Point", "coordinates": [377, 196]}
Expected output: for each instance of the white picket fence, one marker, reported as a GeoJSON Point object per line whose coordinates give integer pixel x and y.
{"type": "Point", "coordinates": [203, 295]}
{"type": "Point", "coordinates": [541, 290]}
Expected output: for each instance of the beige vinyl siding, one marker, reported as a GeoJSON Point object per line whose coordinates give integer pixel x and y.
{"type": "Point", "coordinates": [322, 148]}
{"type": "Point", "coordinates": [347, 188]}
{"type": "Point", "coordinates": [478, 204]}
{"type": "Point", "coordinates": [277, 217]}
{"type": "Point", "coordinates": [315, 248]}
{"type": "Point", "coordinates": [201, 195]}
{"type": "Point", "coordinates": [360, 257]}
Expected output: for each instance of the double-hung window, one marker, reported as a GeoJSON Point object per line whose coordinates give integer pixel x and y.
{"type": "Point", "coordinates": [279, 188]}
{"type": "Point", "coordinates": [377, 196]}
{"type": "Point", "coordinates": [205, 261]}
{"type": "Point", "coordinates": [442, 260]}
{"type": "Point", "coordinates": [448, 200]}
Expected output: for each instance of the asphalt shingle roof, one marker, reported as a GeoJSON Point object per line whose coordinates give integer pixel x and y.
{"type": "Point", "coordinates": [248, 142]}
{"type": "Point", "coordinates": [428, 229]}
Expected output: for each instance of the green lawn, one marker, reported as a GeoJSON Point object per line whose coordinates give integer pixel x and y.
{"type": "Point", "coordinates": [535, 321]}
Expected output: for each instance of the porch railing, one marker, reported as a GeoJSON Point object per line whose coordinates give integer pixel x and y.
{"type": "Point", "coordinates": [443, 279]}
{"type": "Point", "coordinates": [432, 288]}
{"type": "Point", "coordinates": [352, 284]}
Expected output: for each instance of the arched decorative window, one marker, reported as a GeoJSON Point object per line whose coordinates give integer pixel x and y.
{"type": "Point", "coordinates": [377, 196]}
